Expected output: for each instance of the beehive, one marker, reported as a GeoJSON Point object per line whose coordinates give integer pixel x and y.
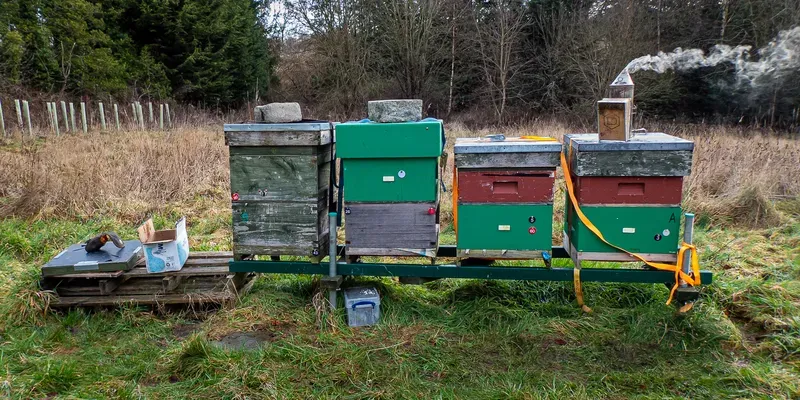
{"type": "Point", "coordinates": [391, 186]}
{"type": "Point", "coordinates": [280, 175]}
{"type": "Point", "coordinates": [631, 191]}
{"type": "Point", "coordinates": [504, 205]}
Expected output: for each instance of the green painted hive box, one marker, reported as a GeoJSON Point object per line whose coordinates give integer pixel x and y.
{"type": "Point", "coordinates": [390, 162]}
{"type": "Point", "coordinates": [504, 230]}
{"type": "Point", "coordinates": [280, 176]}
{"type": "Point", "coordinates": [652, 232]}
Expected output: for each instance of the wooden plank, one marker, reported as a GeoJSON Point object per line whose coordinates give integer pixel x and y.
{"type": "Point", "coordinates": [393, 252]}
{"type": "Point", "coordinates": [217, 269]}
{"type": "Point", "coordinates": [148, 299]}
{"type": "Point", "coordinates": [507, 160]}
{"type": "Point", "coordinates": [278, 138]}
{"type": "Point", "coordinates": [209, 254]}
{"type": "Point", "coordinates": [631, 163]}
{"type": "Point", "coordinates": [109, 285]}
{"type": "Point", "coordinates": [91, 275]}
{"type": "Point", "coordinates": [170, 283]}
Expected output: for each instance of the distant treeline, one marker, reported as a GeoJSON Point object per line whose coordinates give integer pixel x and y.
{"type": "Point", "coordinates": [501, 60]}
{"type": "Point", "coordinates": [211, 52]}
{"type": "Point", "coordinates": [493, 61]}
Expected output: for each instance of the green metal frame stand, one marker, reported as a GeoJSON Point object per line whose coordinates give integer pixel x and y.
{"type": "Point", "coordinates": [478, 269]}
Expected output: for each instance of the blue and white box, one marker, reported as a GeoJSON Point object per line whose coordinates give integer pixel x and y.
{"type": "Point", "coordinates": [165, 250]}
{"type": "Point", "coordinates": [363, 306]}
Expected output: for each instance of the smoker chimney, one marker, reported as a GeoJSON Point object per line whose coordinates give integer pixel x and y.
{"type": "Point", "coordinates": [622, 87]}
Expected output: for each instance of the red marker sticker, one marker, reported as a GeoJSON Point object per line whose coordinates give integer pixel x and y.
{"type": "Point", "coordinates": [532, 230]}
{"type": "Point", "coordinates": [235, 197]}
{"type": "Point", "coordinates": [431, 211]}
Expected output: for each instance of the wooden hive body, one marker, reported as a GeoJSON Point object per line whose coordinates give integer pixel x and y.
{"type": "Point", "coordinates": [280, 178]}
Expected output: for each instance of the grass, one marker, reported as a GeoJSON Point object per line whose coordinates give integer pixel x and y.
{"type": "Point", "coordinates": [444, 339]}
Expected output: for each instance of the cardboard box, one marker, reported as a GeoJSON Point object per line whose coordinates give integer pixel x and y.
{"type": "Point", "coordinates": [165, 250]}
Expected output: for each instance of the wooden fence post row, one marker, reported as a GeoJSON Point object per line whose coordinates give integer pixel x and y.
{"type": "Point", "coordinates": [161, 121]}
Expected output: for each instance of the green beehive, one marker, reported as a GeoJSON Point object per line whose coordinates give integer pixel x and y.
{"type": "Point", "coordinates": [504, 208]}
{"type": "Point", "coordinates": [280, 175]}
{"type": "Point", "coordinates": [391, 186]}
{"type": "Point", "coordinates": [390, 162]}
{"type": "Point", "coordinates": [634, 197]}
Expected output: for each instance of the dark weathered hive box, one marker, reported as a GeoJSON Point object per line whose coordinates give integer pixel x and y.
{"type": "Point", "coordinates": [280, 175]}
{"type": "Point", "coordinates": [391, 229]}
{"type": "Point", "coordinates": [631, 191]}
{"type": "Point", "coordinates": [505, 197]}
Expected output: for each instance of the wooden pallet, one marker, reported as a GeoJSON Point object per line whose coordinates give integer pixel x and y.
{"type": "Point", "coordinates": [204, 279]}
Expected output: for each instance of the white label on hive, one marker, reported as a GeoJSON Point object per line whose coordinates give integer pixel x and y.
{"type": "Point", "coordinates": [503, 227]}
{"type": "Point", "coordinates": [388, 178]}
{"type": "Point", "coordinates": [665, 232]}
{"type": "Point", "coordinates": [628, 230]}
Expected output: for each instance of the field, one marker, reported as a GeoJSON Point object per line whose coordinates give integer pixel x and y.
{"type": "Point", "coordinates": [444, 339]}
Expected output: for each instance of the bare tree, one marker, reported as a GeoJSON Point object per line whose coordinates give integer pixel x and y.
{"type": "Point", "coordinates": [500, 28]}
{"type": "Point", "coordinates": [414, 41]}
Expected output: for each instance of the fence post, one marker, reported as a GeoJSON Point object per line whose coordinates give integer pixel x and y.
{"type": "Point", "coordinates": [102, 116]}
{"type": "Point", "coordinates": [72, 116]}
{"type": "Point", "coordinates": [169, 118]}
{"type": "Point", "coordinates": [66, 117]}
{"type": "Point", "coordinates": [141, 115]}
{"type": "Point", "coordinates": [27, 108]}
{"type": "Point", "coordinates": [161, 116]}
{"type": "Point", "coordinates": [83, 117]}
{"type": "Point", "coordinates": [135, 115]}
{"type": "Point", "coordinates": [50, 116]}
{"type": "Point", "coordinates": [116, 115]}
{"type": "Point", "coordinates": [55, 117]}
{"type": "Point", "coordinates": [2, 121]}
{"type": "Point", "coordinates": [19, 114]}
{"type": "Point", "coordinates": [150, 106]}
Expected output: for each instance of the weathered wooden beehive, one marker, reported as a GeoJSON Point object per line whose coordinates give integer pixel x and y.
{"type": "Point", "coordinates": [391, 186]}
{"type": "Point", "coordinates": [280, 175]}
{"type": "Point", "coordinates": [631, 191]}
{"type": "Point", "coordinates": [504, 201]}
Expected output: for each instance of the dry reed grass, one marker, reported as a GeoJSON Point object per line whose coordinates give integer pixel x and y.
{"type": "Point", "coordinates": [736, 176]}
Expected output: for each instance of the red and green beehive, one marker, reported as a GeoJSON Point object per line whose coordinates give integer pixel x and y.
{"type": "Point", "coordinates": [631, 191]}
{"type": "Point", "coordinates": [504, 201]}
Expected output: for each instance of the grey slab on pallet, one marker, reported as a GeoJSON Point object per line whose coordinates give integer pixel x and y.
{"type": "Point", "coordinates": [75, 260]}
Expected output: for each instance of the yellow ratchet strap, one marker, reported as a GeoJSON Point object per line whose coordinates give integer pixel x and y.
{"type": "Point", "coordinates": [693, 279]}
{"type": "Point", "coordinates": [538, 138]}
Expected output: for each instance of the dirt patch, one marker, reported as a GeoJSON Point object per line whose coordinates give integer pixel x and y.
{"type": "Point", "coordinates": [245, 340]}
{"type": "Point", "coordinates": [182, 331]}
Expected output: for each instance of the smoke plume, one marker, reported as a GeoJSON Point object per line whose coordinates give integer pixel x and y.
{"type": "Point", "coordinates": [775, 60]}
